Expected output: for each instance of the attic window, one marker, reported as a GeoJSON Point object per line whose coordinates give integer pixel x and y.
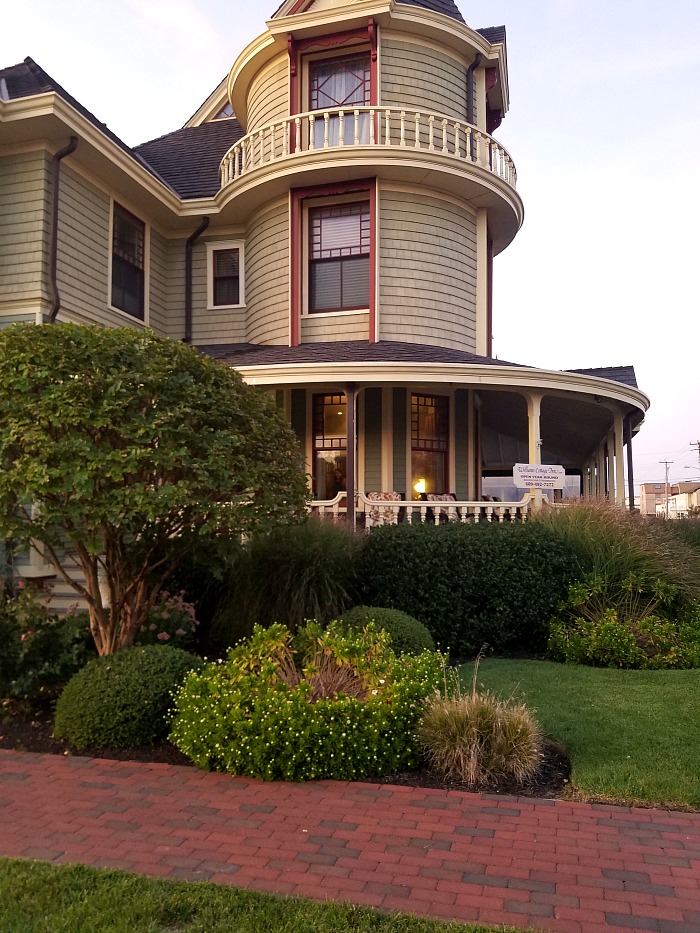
{"type": "Point", "coordinates": [225, 113]}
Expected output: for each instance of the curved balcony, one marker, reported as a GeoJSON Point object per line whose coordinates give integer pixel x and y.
{"type": "Point", "coordinates": [352, 129]}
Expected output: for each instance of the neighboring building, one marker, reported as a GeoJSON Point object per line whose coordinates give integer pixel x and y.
{"type": "Point", "coordinates": [683, 500]}
{"type": "Point", "coordinates": [652, 497]}
{"type": "Point", "coordinates": [333, 241]}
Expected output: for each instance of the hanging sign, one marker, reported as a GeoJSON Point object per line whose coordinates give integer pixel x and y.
{"type": "Point", "coordinates": [538, 476]}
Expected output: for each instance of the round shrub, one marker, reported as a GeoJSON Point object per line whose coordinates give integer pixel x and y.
{"type": "Point", "coordinates": [122, 700]}
{"type": "Point", "coordinates": [321, 704]}
{"type": "Point", "coordinates": [406, 634]}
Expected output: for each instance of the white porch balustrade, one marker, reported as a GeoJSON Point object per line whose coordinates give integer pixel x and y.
{"type": "Point", "coordinates": [374, 512]}
{"type": "Point", "coordinates": [358, 127]}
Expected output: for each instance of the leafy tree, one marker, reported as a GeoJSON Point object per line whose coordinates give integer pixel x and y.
{"type": "Point", "coordinates": [121, 450]}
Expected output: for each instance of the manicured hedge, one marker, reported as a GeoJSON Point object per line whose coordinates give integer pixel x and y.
{"type": "Point", "coordinates": [494, 584]}
{"type": "Point", "coordinates": [406, 634]}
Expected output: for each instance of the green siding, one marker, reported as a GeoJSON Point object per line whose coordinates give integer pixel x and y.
{"type": "Point", "coordinates": [399, 404]}
{"type": "Point", "coordinates": [24, 212]}
{"type": "Point", "coordinates": [373, 439]}
{"type": "Point", "coordinates": [461, 444]}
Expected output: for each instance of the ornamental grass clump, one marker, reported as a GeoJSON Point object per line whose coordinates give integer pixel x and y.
{"type": "Point", "coordinates": [477, 738]}
{"type": "Point", "coordinates": [316, 704]}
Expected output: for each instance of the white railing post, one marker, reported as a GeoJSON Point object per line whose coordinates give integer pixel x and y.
{"type": "Point", "coordinates": [341, 128]}
{"type": "Point", "coordinates": [286, 130]}
{"type": "Point", "coordinates": [458, 128]}
{"type": "Point", "coordinates": [357, 128]}
{"type": "Point", "coordinates": [387, 128]}
{"type": "Point", "coordinates": [416, 141]}
{"type": "Point", "coordinates": [403, 128]}
{"type": "Point", "coordinates": [297, 141]}
{"type": "Point", "coordinates": [326, 125]}
{"type": "Point", "coordinates": [431, 143]}
{"type": "Point", "coordinates": [312, 133]}
{"type": "Point", "coordinates": [373, 114]}
{"type": "Point", "coordinates": [444, 136]}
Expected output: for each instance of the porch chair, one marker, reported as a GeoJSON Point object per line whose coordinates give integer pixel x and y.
{"type": "Point", "coordinates": [386, 515]}
{"type": "Point", "coordinates": [445, 513]}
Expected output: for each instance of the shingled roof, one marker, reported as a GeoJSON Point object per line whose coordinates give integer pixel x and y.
{"type": "Point", "coordinates": [623, 374]}
{"type": "Point", "coordinates": [384, 351]}
{"type": "Point", "coordinates": [448, 7]}
{"type": "Point", "coordinates": [189, 158]}
{"type": "Point", "coordinates": [344, 351]}
{"type": "Point", "coordinates": [27, 79]}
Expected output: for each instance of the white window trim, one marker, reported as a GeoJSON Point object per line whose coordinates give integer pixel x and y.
{"type": "Point", "coordinates": [146, 265]}
{"type": "Point", "coordinates": [212, 247]}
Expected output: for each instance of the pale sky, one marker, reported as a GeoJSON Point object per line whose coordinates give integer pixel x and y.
{"type": "Point", "coordinates": [604, 129]}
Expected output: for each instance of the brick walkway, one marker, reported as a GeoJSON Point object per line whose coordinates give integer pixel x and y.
{"type": "Point", "coordinates": [550, 865]}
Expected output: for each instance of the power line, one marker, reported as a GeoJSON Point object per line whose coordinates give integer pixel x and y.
{"type": "Point", "coordinates": [667, 464]}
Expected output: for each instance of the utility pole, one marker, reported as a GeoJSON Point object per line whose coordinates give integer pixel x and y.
{"type": "Point", "coordinates": [696, 445]}
{"type": "Point", "coordinates": [668, 464]}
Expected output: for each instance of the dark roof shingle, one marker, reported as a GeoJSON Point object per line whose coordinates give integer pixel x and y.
{"type": "Point", "coordinates": [189, 158]}
{"type": "Point", "coordinates": [623, 374]}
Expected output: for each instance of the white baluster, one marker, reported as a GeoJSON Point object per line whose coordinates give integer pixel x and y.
{"type": "Point", "coordinates": [326, 123]}
{"type": "Point", "coordinates": [372, 115]}
{"type": "Point", "coordinates": [416, 141]}
{"type": "Point", "coordinates": [431, 143]}
{"type": "Point", "coordinates": [262, 146]}
{"type": "Point", "coordinates": [444, 136]}
{"type": "Point", "coordinates": [403, 128]}
{"type": "Point", "coordinates": [458, 129]}
{"type": "Point", "coordinates": [312, 134]}
{"type": "Point", "coordinates": [297, 129]}
{"type": "Point", "coordinates": [357, 128]}
{"type": "Point", "coordinates": [286, 129]}
{"type": "Point", "coordinates": [273, 143]}
{"type": "Point", "coordinates": [387, 128]}
{"type": "Point", "coordinates": [341, 128]}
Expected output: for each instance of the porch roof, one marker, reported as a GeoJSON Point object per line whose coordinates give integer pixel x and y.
{"type": "Point", "coordinates": [384, 351]}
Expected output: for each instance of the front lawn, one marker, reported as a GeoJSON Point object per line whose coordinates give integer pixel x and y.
{"type": "Point", "coordinates": [631, 735]}
{"type": "Point", "coordinates": [36, 897]}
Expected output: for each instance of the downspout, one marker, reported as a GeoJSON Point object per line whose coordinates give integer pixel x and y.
{"type": "Point", "coordinates": [53, 250]}
{"type": "Point", "coordinates": [630, 462]}
{"type": "Point", "coordinates": [191, 240]}
{"type": "Point", "coordinates": [470, 88]}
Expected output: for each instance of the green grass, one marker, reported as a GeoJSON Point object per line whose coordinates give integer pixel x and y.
{"type": "Point", "coordinates": [632, 736]}
{"type": "Point", "coordinates": [36, 897]}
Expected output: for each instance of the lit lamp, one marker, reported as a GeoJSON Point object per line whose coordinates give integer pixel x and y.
{"type": "Point", "coordinates": [419, 487]}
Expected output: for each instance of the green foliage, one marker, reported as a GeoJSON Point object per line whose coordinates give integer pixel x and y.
{"type": "Point", "coordinates": [123, 700]}
{"type": "Point", "coordinates": [479, 739]}
{"type": "Point", "coordinates": [649, 642]}
{"type": "Point", "coordinates": [320, 704]}
{"type": "Point", "coordinates": [612, 545]}
{"type": "Point", "coordinates": [688, 530]}
{"type": "Point", "coordinates": [172, 620]}
{"type": "Point", "coordinates": [495, 584]}
{"type": "Point", "coordinates": [288, 575]}
{"type": "Point", "coordinates": [131, 449]}
{"type": "Point", "coordinates": [618, 624]}
{"type": "Point", "coordinates": [406, 634]}
{"type": "Point", "coordinates": [40, 651]}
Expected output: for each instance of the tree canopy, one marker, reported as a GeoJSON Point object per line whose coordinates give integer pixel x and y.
{"type": "Point", "coordinates": [121, 449]}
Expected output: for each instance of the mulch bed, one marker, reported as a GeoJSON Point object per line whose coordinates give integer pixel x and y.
{"type": "Point", "coordinates": [25, 731]}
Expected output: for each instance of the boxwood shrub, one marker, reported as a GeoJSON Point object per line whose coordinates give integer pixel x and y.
{"type": "Point", "coordinates": [494, 584]}
{"type": "Point", "coordinates": [406, 634]}
{"type": "Point", "coordinates": [122, 700]}
{"type": "Point", "coordinates": [319, 704]}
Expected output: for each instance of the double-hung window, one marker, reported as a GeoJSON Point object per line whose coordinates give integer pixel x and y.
{"type": "Point", "coordinates": [339, 256]}
{"type": "Point", "coordinates": [128, 263]}
{"type": "Point", "coordinates": [225, 277]}
{"type": "Point", "coordinates": [430, 431]}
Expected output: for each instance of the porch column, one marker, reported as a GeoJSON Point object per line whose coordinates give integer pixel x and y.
{"type": "Point", "coordinates": [351, 434]}
{"type": "Point", "coordinates": [630, 465]}
{"type": "Point", "coordinates": [600, 471]}
{"type": "Point", "coordinates": [619, 461]}
{"type": "Point", "coordinates": [534, 405]}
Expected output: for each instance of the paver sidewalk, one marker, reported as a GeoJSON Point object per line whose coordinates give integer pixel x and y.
{"type": "Point", "coordinates": [549, 865]}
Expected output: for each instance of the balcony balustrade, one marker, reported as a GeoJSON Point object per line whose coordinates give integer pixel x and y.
{"type": "Point", "coordinates": [361, 127]}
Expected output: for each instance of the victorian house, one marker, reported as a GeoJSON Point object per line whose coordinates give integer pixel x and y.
{"type": "Point", "coordinates": [326, 223]}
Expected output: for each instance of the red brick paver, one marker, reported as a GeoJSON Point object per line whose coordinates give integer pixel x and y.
{"type": "Point", "coordinates": [549, 865]}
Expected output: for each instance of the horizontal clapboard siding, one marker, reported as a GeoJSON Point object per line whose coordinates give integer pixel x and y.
{"type": "Point", "coordinates": [418, 77]}
{"type": "Point", "coordinates": [268, 98]}
{"type": "Point", "coordinates": [427, 268]}
{"type": "Point", "coordinates": [216, 325]}
{"type": "Point", "coordinates": [267, 276]}
{"type": "Point", "coordinates": [7, 319]}
{"type": "Point", "coordinates": [334, 327]}
{"type": "Point", "coordinates": [175, 300]}
{"type": "Point", "coordinates": [158, 285]}
{"type": "Point", "coordinates": [24, 233]}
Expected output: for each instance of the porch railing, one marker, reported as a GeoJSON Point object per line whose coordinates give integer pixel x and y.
{"type": "Point", "coordinates": [374, 512]}
{"type": "Point", "coordinates": [356, 127]}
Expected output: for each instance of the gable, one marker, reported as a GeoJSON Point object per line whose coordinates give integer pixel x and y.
{"type": "Point", "coordinates": [289, 7]}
